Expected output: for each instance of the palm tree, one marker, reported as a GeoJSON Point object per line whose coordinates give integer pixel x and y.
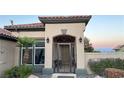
{"type": "Point", "coordinates": [25, 42]}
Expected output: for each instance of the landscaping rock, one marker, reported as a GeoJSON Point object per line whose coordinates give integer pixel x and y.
{"type": "Point", "coordinates": [114, 73]}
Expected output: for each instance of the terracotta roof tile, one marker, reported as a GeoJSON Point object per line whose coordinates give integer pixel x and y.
{"type": "Point", "coordinates": [33, 25]}
{"type": "Point", "coordinates": [65, 19]}
{"type": "Point", "coordinates": [61, 17]}
{"type": "Point", "coordinates": [5, 34]}
{"type": "Point", "coordinates": [51, 19]}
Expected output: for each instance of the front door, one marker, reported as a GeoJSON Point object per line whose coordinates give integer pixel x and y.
{"type": "Point", "coordinates": [65, 58]}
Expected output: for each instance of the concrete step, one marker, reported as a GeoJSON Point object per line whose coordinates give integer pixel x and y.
{"type": "Point", "coordinates": [63, 75]}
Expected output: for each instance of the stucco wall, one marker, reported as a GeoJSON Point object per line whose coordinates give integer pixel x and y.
{"type": "Point", "coordinates": [17, 56]}
{"type": "Point", "coordinates": [7, 55]}
{"type": "Point", "coordinates": [97, 56]}
{"type": "Point", "coordinates": [73, 29]}
{"type": "Point", "coordinates": [33, 34]}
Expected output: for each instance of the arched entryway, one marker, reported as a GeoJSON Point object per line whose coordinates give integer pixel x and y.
{"type": "Point", "coordinates": [64, 57]}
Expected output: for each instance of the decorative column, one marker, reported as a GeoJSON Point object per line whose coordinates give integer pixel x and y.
{"type": "Point", "coordinates": [80, 70]}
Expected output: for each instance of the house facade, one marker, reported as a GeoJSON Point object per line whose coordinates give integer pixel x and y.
{"type": "Point", "coordinates": [59, 46]}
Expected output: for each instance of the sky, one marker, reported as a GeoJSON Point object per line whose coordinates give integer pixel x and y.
{"type": "Point", "coordinates": [106, 31]}
{"type": "Point", "coordinates": [103, 31]}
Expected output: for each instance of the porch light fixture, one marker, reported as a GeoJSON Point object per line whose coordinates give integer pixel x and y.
{"type": "Point", "coordinates": [80, 39]}
{"type": "Point", "coordinates": [47, 40]}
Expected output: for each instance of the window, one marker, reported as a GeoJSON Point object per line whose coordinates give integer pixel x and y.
{"type": "Point", "coordinates": [30, 57]}
{"type": "Point", "coordinates": [39, 56]}
{"type": "Point", "coordinates": [36, 53]}
{"type": "Point", "coordinates": [40, 44]}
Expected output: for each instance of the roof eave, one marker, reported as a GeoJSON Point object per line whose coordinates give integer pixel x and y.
{"type": "Point", "coordinates": [64, 20]}
{"type": "Point", "coordinates": [9, 38]}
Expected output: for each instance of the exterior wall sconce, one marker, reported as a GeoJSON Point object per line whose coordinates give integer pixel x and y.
{"type": "Point", "coordinates": [80, 40]}
{"type": "Point", "coordinates": [47, 40]}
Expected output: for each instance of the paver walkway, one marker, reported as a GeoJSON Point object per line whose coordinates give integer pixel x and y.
{"type": "Point", "coordinates": [61, 75]}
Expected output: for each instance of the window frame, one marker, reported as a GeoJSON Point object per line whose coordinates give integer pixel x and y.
{"type": "Point", "coordinates": [34, 48]}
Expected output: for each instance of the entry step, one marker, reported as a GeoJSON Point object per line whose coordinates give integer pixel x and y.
{"type": "Point", "coordinates": [63, 75]}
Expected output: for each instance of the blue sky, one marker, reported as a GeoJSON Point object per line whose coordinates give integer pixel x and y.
{"type": "Point", "coordinates": [106, 31]}
{"type": "Point", "coordinates": [103, 31]}
{"type": "Point", "coordinates": [18, 19]}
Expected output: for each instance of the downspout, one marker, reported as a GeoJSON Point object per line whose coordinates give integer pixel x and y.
{"type": "Point", "coordinates": [33, 59]}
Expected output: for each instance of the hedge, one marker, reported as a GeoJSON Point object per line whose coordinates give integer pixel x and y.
{"type": "Point", "coordinates": [18, 72]}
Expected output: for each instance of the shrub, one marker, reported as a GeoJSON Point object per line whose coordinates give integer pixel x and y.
{"type": "Point", "coordinates": [18, 72]}
{"type": "Point", "coordinates": [100, 66]}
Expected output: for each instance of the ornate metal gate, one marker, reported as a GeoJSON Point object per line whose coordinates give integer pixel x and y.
{"type": "Point", "coordinates": [65, 62]}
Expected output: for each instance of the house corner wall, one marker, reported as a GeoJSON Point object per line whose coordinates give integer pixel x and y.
{"type": "Point", "coordinates": [7, 55]}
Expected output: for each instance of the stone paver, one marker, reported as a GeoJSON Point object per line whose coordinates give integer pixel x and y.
{"type": "Point", "coordinates": [66, 75]}
{"type": "Point", "coordinates": [33, 76]}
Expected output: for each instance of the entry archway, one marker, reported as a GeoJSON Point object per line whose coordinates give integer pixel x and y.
{"type": "Point", "coordinates": [64, 57]}
{"type": "Point", "coordinates": [64, 39]}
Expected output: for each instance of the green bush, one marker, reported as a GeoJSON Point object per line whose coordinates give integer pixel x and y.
{"type": "Point", "coordinates": [18, 72]}
{"type": "Point", "coordinates": [99, 66]}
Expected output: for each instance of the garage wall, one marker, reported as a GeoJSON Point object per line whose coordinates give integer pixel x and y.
{"type": "Point", "coordinates": [7, 55]}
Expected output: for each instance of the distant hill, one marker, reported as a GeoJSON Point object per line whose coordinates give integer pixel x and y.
{"type": "Point", "coordinates": [104, 49]}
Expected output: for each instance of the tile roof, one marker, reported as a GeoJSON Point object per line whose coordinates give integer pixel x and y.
{"type": "Point", "coordinates": [119, 47]}
{"type": "Point", "coordinates": [5, 34]}
{"type": "Point", "coordinates": [25, 26]}
{"type": "Point", "coordinates": [64, 19]}
{"type": "Point", "coordinates": [49, 19]}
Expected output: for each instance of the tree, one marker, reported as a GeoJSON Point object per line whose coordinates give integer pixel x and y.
{"type": "Point", "coordinates": [87, 45]}
{"type": "Point", "coordinates": [25, 42]}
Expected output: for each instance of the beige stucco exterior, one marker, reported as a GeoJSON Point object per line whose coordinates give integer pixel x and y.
{"type": "Point", "coordinates": [32, 34]}
{"type": "Point", "coordinates": [73, 29]}
{"type": "Point", "coordinates": [7, 55]}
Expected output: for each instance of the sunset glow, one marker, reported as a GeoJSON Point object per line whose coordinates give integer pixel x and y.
{"type": "Point", "coordinates": [106, 31]}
